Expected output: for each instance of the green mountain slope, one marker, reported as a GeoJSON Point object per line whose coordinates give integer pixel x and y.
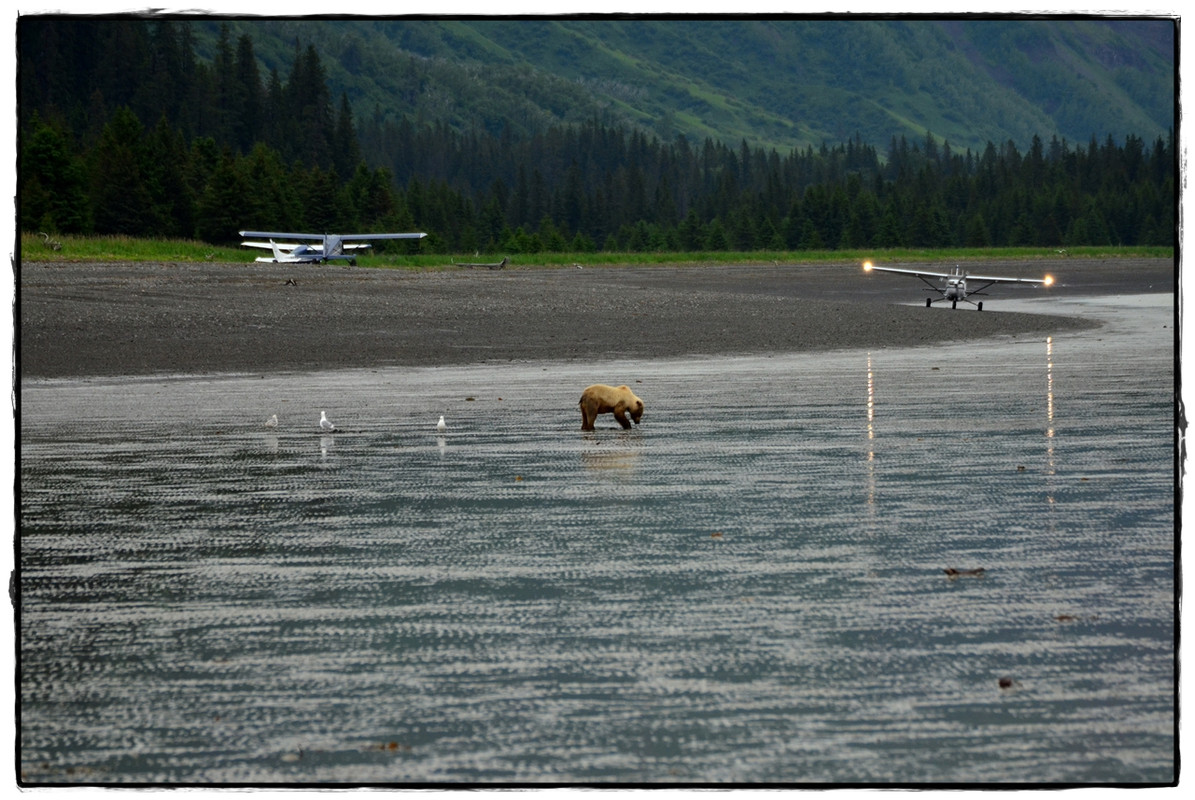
{"type": "Point", "coordinates": [780, 83]}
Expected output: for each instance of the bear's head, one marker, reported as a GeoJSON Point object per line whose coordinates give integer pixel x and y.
{"type": "Point", "coordinates": [635, 412]}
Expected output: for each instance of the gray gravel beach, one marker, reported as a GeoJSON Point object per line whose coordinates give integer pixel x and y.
{"type": "Point", "coordinates": [93, 319]}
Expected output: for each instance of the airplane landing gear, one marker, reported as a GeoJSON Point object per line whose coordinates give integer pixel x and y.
{"type": "Point", "coordinates": [979, 306]}
{"type": "Point", "coordinates": [954, 303]}
{"type": "Point", "coordinates": [929, 301]}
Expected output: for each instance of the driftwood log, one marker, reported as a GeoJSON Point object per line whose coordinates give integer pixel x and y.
{"type": "Point", "coordinates": [498, 265]}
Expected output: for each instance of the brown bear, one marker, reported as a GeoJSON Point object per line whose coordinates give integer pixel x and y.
{"type": "Point", "coordinates": [603, 399]}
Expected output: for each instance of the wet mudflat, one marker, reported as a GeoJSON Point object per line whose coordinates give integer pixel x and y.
{"type": "Point", "coordinates": [122, 319]}
{"type": "Point", "coordinates": [749, 587]}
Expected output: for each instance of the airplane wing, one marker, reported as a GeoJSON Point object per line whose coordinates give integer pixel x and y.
{"type": "Point", "coordinates": [923, 274]}
{"type": "Point", "coordinates": [286, 248]}
{"type": "Point", "coordinates": [319, 237]}
{"type": "Point", "coordinates": [350, 236]}
{"type": "Point", "coordinates": [344, 237]}
{"type": "Point", "coordinates": [1046, 280]}
{"type": "Point", "coordinates": [868, 267]}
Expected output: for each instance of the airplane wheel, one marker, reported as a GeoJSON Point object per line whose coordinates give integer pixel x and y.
{"type": "Point", "coordinates": [352, 262]}
{"type": "Point", "coordinates": [954, 303]}
{"type": "Point", "coordinates": [979, 306]}
{"type": "Point", "coordinates": [929, 301]}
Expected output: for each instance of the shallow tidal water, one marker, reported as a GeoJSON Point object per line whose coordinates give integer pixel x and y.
{"type": "Point", "coordinates": [747, 588]}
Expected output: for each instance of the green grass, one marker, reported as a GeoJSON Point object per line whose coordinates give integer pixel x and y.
{"type": "Point", "coordinates": [124, 248]}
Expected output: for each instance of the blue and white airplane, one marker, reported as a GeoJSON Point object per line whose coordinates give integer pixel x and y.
{"type": "Point", "coordinates": [953, 285]}
{"type": "Point", "coordinates": [327, 247]}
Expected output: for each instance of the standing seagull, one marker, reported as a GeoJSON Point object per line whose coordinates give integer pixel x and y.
{"type": "Point", "coordinates": [272, 422]}
{"type": "Point", "coordinates": [323, 422]}
{"type": "Point", "coordinates": [441, 426]}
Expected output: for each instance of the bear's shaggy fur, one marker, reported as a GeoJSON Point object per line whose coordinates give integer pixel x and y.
{"type": "Point", "coordinates": [603, 399]}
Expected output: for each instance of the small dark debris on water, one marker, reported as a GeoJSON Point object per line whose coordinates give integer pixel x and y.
{"type": "Point", "coordinates": [1006, 682]}
{"type": "Point", "coordinates": [955, 573]}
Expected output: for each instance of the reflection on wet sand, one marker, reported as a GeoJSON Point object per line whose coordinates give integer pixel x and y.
{"type": "Point", "coordinates": [602, 457]}
{"type": "Point", "coordinates": [1050, 466]}
{"type": "Point", "coordinates": [871, 434]}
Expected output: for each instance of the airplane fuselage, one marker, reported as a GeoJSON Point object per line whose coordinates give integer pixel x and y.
{"type": "Point", "coordinates": [305, 251]}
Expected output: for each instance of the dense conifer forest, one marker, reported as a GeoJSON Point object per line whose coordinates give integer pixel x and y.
{"type": "Point", "coordinates": [124, 130]}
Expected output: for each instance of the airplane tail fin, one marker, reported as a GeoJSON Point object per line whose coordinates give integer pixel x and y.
{"type": "Point", "coordinates": [277, 253]}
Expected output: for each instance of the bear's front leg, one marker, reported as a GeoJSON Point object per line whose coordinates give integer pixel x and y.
{"type": "Point", "coordinates": [621, 416]}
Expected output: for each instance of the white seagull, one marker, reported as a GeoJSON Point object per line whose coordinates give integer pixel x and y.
{"type": "Point", "coordinates": [323, 422]}
{"type": "Point", "coordinates": [272, 422]}
{"type": "Point", "coordinates": [441, 426]}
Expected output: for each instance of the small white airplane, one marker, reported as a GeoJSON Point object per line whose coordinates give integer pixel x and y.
{"type": "Point", "coordinates": [330, 246]}
{"type": "Point", "coordinates": [954, 284]}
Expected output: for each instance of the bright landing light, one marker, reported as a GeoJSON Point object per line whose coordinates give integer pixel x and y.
{"type": "Point", "coordinates": [1048, 280]}
{"type": "Point", "coordinates": [867, 266]}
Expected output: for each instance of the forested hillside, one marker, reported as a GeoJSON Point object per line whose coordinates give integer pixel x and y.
{"type": "Point", "coordinates": [779, 83]}
{"type": "Point", "coordinates": [125, 127]}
